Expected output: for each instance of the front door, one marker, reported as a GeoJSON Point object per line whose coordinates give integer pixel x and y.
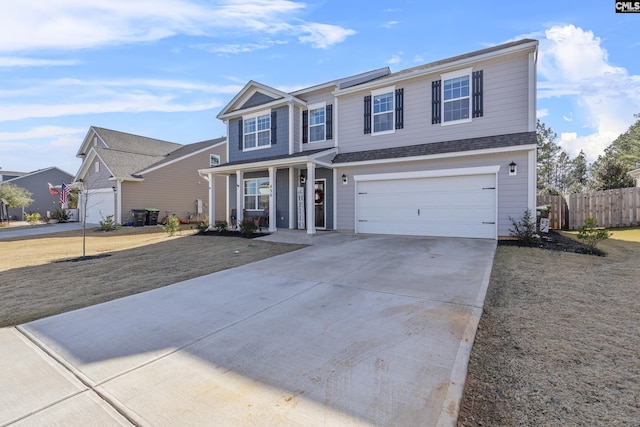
{"type": "Point", "coordinates": [319, 187]}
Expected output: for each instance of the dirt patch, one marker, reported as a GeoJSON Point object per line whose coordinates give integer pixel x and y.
{"type": "Point", "coordinates": [558, 341]}
{"type": "Point", "coordinates": [34, 284]}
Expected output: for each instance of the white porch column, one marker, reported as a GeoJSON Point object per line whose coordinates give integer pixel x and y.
{"type": "Point", "coordinates": [311, 198]}
{"type": "Point", "coordinates": [292, 199]}
{"type": "Point", "coordinates": [272, 199]}
{"type": "Point", "coordinates": [212, 200]}
{"type": "Point", "coordinates": [239, 195]}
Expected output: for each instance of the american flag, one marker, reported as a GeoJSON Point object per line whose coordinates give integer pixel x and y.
{"type": "Point", "coordinates": [64, 193]}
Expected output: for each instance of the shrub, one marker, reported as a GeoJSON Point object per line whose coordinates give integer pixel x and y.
{"type": "Point", "coordinates": [221, 226]}
{"type": "Point", "coordinates": [172, 226]}
{"type": "Point", "coordinates": [248, 226]}
{"type": "Point", "coordinates": [107, 224]}
{"type": "Point", "coordinates": [33, 218]}
{"type": "Point", "coordinates": [525, 229]}
{"type": "Point", "coordinates": [203, 225]}
{"type": "Point", "coordinates": [590, 234]}
{"type": "Point", "coordinates": [60, 215]}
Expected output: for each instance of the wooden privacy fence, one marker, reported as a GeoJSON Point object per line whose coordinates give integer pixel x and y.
{"type": "Point", "coordinates": [610, 208]}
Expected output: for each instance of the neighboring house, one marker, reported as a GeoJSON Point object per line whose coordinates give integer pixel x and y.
{"type": "Point", "coordinates": [37, 183]}
{"type": "Point", "coordinates": [7, 175]}
{"type": "Point", "coordinates": [443, 149]}
{"type": "Point", "coordinates": [121, 172]}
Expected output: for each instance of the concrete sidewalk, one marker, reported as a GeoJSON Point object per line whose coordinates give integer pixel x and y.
{"type": "Point", "coordinates": [355, 330]}
{"type": "Point", "coordinates": [25, 230]}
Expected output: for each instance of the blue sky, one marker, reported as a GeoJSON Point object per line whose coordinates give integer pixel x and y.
{"type": "Point", "coordinates": [165, 68]}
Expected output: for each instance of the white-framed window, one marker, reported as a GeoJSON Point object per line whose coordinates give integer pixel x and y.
{"type": "Point", "coordinates": [456, 97]}
{"type": "Point", "coordinates": [256, 193]}
{"type": "Point", "coordinates": [96, 167]}
{"type": "Point", "coordinates": [214, 160]}
{"type": "Point", "coordinates": [382, 106]}
{"type": "Point", "coordinates": [257, 131]}
{"type": "Point", "coordinates": [317, 122]}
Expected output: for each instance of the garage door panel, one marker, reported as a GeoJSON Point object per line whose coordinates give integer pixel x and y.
{"type": "Point", "coordinates": [100, 204]}
{"type": "Point", "coordinates": [459, 206]}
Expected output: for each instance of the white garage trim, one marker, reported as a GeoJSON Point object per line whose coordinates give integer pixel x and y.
{"type": "Point", "coordinates": [448, 203]}
{"type": "Point", "coordinates": [482, 170]}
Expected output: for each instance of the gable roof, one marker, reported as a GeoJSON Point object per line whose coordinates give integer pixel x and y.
{"type": "Point", "coordinates": [127, 156]}
{"type": "Point", "coordinates": [36, 172]}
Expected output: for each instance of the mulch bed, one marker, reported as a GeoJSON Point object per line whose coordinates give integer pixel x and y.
{"type": "Point", "coordinates": [84, 258]}
{"type": "Point", "coordinates": [555, 241]}
{"type": "Point", "coordinates": [231, 233]}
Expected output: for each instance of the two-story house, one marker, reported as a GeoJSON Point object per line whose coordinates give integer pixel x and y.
{"type": "Point", "coordinates": [442, 149]}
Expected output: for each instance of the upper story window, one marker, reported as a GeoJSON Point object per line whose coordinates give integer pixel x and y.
{"type": "Point", "coordinates": [214, 160]}
{"type": "Point", "coordinates": [383, 111]}
{"type": "Point", "coordinates": [257, 131]}
{"type": "Point", "coordinates": [316, 124]}
{"type": "Point", "coordinates": [456, 91]}
{"type": "Point", "coordinates": [457, 97]}
{"type": "Point", "coordinates": [96, 167]}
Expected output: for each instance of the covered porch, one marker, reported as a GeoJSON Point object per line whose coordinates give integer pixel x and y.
{"type": "Point", "coordinates": [294, 192]}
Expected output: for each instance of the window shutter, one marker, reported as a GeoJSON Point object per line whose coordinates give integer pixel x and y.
{"type": "Point", "coordinates": [435, 102]}
{"type": "Point", "coordinates": [477, 94]}
{"type": "Point", "coordinates": [399, 108]}
{"type": "Point", "coordinates": [329, 122]}
{"type": "Point", "coordinates": [274, 127]}
{"type": "Point", "coordinates": [305, 126]}
{"type": "Point", "coordinates": [367, 114]}
{"type": "Point", "coordinates": [240, 135]}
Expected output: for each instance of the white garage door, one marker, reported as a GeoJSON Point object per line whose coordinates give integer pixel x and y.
{"type": "Point", "coordinates": [100, 203]}
{"type": "Point", "coordinates": [452, 206]}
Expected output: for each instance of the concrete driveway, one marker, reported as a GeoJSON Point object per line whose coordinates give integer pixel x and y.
{"type": "Point", "coordinates": [355, 330]}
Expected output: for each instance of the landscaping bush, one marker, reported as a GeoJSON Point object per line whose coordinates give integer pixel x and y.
{"type": "Point", "coordinates": [525, 229]}
{"type": "Point", "coordinates": [107, 224]}
{"type": "Point", "coordinates": [60, 215]}
{"type": "Point", "coordinates": [248, 226]}
{"type": "Point", "coordinates": [33, 218]}
{"type": "Point", "coordinates": [590, 234]}
{"type": "Point", "coordinates": [221, 226]}
{"type": "Point", "coordinates": [172, 226]}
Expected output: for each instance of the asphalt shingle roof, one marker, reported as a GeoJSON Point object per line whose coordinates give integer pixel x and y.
{"type": "Point", "coordinates": [482, 143]}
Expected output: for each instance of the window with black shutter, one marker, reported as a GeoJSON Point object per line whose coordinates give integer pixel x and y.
{"type": "Point", "coordinates": [329, 123]}
{"type": "Point", "coordinates": [367, 114]}
{"type": "Point", "coordinates": [399, 109]}
{"type": "Point", "coordinates": [305, 126]}
{"type": "Point", "coordinates": [477, 94]}
{"type": "Point", "coordinates": [274, 127]}
{"type": "Point", "coordinates": [435, 102]}
{"type": "Point", "coordinates": [240, 135]}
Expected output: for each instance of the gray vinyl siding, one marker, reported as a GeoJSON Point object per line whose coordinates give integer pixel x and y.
{"type": "Point", "coordinates": [94, 180]}
{"type": "Point", "coordinates": [326, 97]}
{"type": "Point", "coordinates": [282, 198]}
{"type": "Point", "coordinates": [512, 190]}
{"type": "Point", "coordinates": [505, 109]}
{"type": "Point", "coordinates": [174, 189]}
{"type": "Point", "coordinates": [281, 147]}
{"type": "Point", "coordinates": [256, 99]}
{"type": "Point", "coordinates": [327, 174]}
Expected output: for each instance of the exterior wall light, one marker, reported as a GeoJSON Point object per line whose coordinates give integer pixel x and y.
{"type": "Point", "coordinates": [303, 179]}
{"type": "Point", "coordinates": [115, 189]}
{"type": "Point", "coordinates": [513, 169]}
{"type": "Point", "coordinates": [344, 179]}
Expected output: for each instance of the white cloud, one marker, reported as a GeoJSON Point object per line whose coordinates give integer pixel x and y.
{"type": "Point", "coordinates": [390, 24]}
{"type": "Point", "coordinates": [323, 35]}
{"type": "Point", "coordinates": [573, 63]}
{"type": "Point", "coordinates": [41, 132]}
{"type": "Point", "coordinates": [15, 61]}
{"type": "Point", "coordinates": [27, 25]}
{"type": "Point", "coordinates": [395, 59]}
{"type": "Point", "coordinates": [542, 113]}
